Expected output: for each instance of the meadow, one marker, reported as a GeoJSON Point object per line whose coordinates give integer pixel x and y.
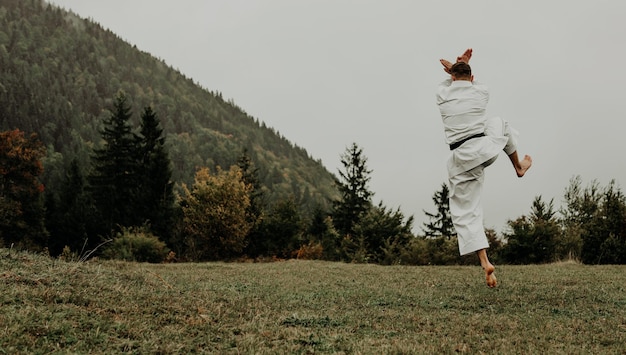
{"type": "Point", "coordinates": [305, 307]}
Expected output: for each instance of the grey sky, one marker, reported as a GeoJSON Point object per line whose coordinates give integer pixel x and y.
{"type": "Point", "coordinates": [326, 73]}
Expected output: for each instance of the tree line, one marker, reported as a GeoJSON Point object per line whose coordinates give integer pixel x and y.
{"type": "Point", "coordinates": [128, 201]}
{"type": "Point", "coordinates": [128, 207]}
{"type": "Point", "coordinates": [589, 227]}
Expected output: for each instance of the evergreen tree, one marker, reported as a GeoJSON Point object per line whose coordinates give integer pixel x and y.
{"type": "Point", "coordinates": [578, 213]}
{"type": "Point", "coordinates": [321, 230]}
{"type": "Point", "coordinates": [250, 176]}
{"type": "Point", "coordinates": [155, 194]}
{"type": "Point", "coordinates": [317, 227]}
{"type": "Point", "coordinates": [70, 217]}
{"type": "Point", "coordinates": [594, 221]}
{"type": "Point", "coordinates": [281, 232]}
{"type": "Point", "coordinates": [113, 180]}
{"type": "Point", "coordinates": [384, 233]}
{"type": "Point", "coordinates": [613, 222]}
{"type": "Point", "coordinates": [604, 237]}
{"type": "Point", "coordinates": [355, 197]}
{"type": "Point", "coordinates": [533, 238]}
{"type": "Point", "coordinates": [440, 224]}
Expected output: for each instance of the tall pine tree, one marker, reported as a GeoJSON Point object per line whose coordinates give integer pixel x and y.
{"type": "Point", "coordinates": [70, 217]}
{"type": "Point", "coordinates": [440, 224]}
{"type": "Point", "coordinates": [114, 179]}
{"type": "Point", "coordinates": [155, 197]}
{"type": "Point", "coordinates": [356, 198]}
{"type": "Point", "coordinates": [250, 176]}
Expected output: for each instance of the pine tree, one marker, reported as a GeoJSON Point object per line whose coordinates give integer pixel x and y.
{"type": "Point", "coordinates": [282, 229]}
{"type": "Point", "coordinates": [384, 233]}
{"type": "Point", "coordinates": [70, 217]}
{"type": "Point", "coordinates": [250, 176]}
{"type": "Point", "coordinates": [613, 217]}
{"type": "Point", "coordinates": [355, 197]}
{"type": "Point", "coordinates": [594, 222]}
{"type": "Point", "coordinates": [533, 238]}
{"type": "Point", "coordinates": [322, 231]}
{"type": "Point", "coordinates": [113, 180]}
{"type": "Point", "coordinates": [440, 224]}
{"type": "Point", "coordinates": [155, 197]}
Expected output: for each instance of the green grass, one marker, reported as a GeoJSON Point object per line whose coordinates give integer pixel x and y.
{"type": "Point", "coordinates": [302, 307]}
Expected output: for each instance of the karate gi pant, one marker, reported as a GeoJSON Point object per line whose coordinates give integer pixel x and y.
{"type": "Point", "coordinates": [466, 193]}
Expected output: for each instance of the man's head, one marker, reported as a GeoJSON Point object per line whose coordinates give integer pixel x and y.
{"type": "Point", "coordinates": [461, 71]}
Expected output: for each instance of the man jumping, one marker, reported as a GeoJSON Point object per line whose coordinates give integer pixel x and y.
{"type": "Point", "coordinates": [475, 142]}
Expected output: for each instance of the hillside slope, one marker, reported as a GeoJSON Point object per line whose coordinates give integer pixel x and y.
{"type": "Point", "coordinates": [59, 74]}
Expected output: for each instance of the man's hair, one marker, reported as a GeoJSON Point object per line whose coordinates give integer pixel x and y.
{"type": "Point", "coordinates": [461, 70]}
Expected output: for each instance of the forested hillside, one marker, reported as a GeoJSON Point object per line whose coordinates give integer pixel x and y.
{"type": "Point", "coordinates": [59, 75]}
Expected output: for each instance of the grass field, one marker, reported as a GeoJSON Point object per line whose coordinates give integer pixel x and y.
{"type": "Point", "coordinates": [305, 307]}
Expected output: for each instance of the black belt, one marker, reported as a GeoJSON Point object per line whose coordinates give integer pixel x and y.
{"type": "Point", "coordinates": [453, 146]}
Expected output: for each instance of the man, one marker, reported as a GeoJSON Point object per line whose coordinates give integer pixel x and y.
{"type": "Point", "coordinates": [475, 142]}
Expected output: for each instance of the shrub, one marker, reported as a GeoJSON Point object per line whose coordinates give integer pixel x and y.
{"type": "Point", "coordinates": [310, 251]}
{"type": "Point", "coordinates": [215, 219]}
{"type": "Point", "coordinates": [136, 245]}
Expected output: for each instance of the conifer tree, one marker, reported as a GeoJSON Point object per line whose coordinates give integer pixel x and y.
{"type": "Point", "coordinates": [250, 176]}
{"type": "Point", "coordinates": [533, 238]}
{"type": "Point", "coordinates": [612, 221]}
{"type": "Point", "coordinates": [384, 233]}
{"type": "Point", "coordinates": [155, 194]}
{"type": "Point", "coordinates": [70, 216]}
{"type": "Point", "coordinates": [322, 231]}
{"type": "Point", "coordinates": [355, 195]}
{"type": "Point", "coordinates": [440, 224]}
{"type": "Point", "coordinates": [113, 180]}
{"type": "Point", "coordinates": [594, 222]}
{"type": "Point", "coordinates": [282, 229]}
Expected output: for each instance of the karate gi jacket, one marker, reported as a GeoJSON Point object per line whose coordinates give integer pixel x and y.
{"type": "Point", "coordinates": [463, 107]}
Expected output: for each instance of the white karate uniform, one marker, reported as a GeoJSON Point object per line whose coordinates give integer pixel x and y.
{"type": "Point", "coordinates": [462, 105]}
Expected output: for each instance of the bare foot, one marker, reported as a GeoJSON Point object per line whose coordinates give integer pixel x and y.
{"type": "Point", "coordinates": [524, 165]}
{"type": "Point", "coordinates": [488, 267]}
{"type": "Point", "coordinates": [490, 276]}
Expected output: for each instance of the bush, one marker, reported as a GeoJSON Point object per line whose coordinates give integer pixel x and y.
{"type": "Point", "coordinates": [215, 210]}
{"type": "Point", "coordinates": [136, 245]}
{"type": "Point", "coordinates": [310, 251]}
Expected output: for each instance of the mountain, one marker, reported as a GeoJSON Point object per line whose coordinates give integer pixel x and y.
{"type": "Point", "coordinates": [59, 74]}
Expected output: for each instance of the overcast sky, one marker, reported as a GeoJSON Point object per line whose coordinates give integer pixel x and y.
{"type": "Point", "coordinates": [326, 73]}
